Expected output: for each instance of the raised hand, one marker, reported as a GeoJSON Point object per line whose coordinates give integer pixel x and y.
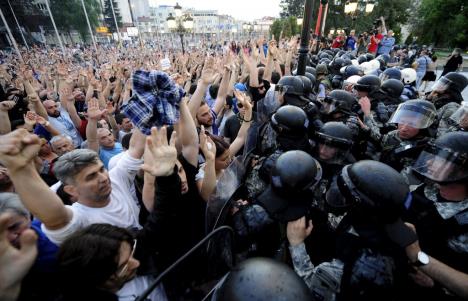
{"type": "Point", "coordinates": [298, 230]}
{"type": "Point", "coordinates": [208, 73]}
{"type": "Point", "coordinates": [160, 156]}
{"type": "Point", "coordinates": [30, 118]}
{"type": "Point", "coordinates": [18, 149]}
{"type": "Point", "coordinates": [93, 109]}
{"type": "Point", "coordinates": [365, 104]}
{"type": "Point", "coordinates": [207, 145]}
{"type": "Point", "coordinates": [15, 263]}
{"type": "Point", "coordinates": [7, 105]}
{"type": "Point", "coordinates": [243, 99]}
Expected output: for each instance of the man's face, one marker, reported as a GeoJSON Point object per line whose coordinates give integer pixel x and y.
{"type": "Point", "coordinates": [62, 146]}
{"type": "Point", "coordinates": [326, 152]}
{"type": "Point", "coordinates": [105, 138]}
{"type": "Point", "coordinates": [390, 33]}
{"type": "Point", "coordinates": [92, 184]}
{"type": "Point", "coordinates": [127, 267]}
{"type": "Point", "coordinates": [79, 95]}
{"type": "Point", "coordinates": [407, 132]}
{"type": "Point", "coordinates": [52, 108]}
{"type": "Point", "coordinates": [204, 116]}
{"type": "Point", "coordinates": [127, 125]}
{"type": "Point", "coordinates": [15, 227]}
{"type": "Point", "coordinates": [183, 178]}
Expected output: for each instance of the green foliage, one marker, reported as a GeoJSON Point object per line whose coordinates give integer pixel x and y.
{"type": "Point", "coordinates": [443, 23]}
{"type": "Point", "coordinates": [69, 15]}
{"type": "Point", "coordinates": [294, 8]}
{"type": "Point", "coordinates": [109, 17]}
{"type": "Point", "coordinates": [288, 26]}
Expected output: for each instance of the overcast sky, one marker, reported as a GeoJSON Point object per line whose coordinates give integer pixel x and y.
{"type": "Point", "coordinates": [240, 9]}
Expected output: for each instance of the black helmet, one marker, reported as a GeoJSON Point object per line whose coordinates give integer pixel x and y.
{"type": "Point", "coordinates": [324, 61]}
{"type": "Point", "coordinates": [393, 73]}
{"type": "Point", "coordinates": [362, 58]}
{"type": "Point", "coordinates": [368, 83]}
{"type": "Point", "coordinates": [337, 81]}
{"type": "Point", "coordinates": [369, 57]}
{"type": "Point", "coordinates": [385, 58]}
{"type": "Point", "coordinates": [347, 62]}
{"type": "Point", "coordinates": [324, 55]}
{"type": "Point", "coordinates": [350, 70]}
{"type": "Point", "coordinates": [334, 142]}
{"type": "Point", "coordinates": [311, 70]}
{"type": "Point", "coordinates": [338, 101]}
{"type": "Point", "coordinates": [339, 53]}
{"type": "Point", "coordinates": [322, 69]}
{"type": "Point", "coordinates": [336, 65]}
{"type": "Point", "coordinates": [392, 87]}
{"type": "Point", "coordinates": [417, 113]}
{"type": "Point", "coordinates": [308, 87]}
{"type": "Point", "coordinates": [377, 194]}
{"type": "Point", "coordinates": [290, 192]}
{"type": "Point", "coordinates": [453, 81]}
{"type": "Point", "coordinates": [331, 53]}
{"type": "Point", "coordinates": [291, 85]}
{"type": "Point", "coordinates": [290, 120]}
{"type": "Point", "coordinates": [262, 279]}
{"type": "Point", "coordinates": [311, 77]}
{"type": "Point", "coordinates": [446, 159]}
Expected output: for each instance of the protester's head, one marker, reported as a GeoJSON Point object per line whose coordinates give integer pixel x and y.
{"type": "Point", "coordinates": [45, 149]}
{"type": "Point", "coordinates": [105, 138]}
{"type": "Point", "coordinates": [62, 144]}
{"type": "Point", "coordinates": [6, 185]}
{"type": "Point", "coordinates": [20, 217]}
{"type": "Point", "coordinates": [390, 33]}
{"type": "Point", "coordinates": [124, 122]}
{"type": "Point", "coordinates": [184, 188]}
{"type": "Point", "coordinates": [84, 176]}
{"type": "Point", "coordinates": [52, 108]}
{"type": "Point", "coordinates": [204, 116]}
{"type": "Point", "coordinates": [98, 256]}
{"type": "Point", "coordinates": [456, 52]}
{"type": "Point", "coordinates": [223, 155]}
{"type": "Point", "coordinates": [102, 124]}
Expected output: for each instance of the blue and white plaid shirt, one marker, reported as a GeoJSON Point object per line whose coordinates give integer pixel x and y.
{"type": "Point", "coordinates": [155, 100]}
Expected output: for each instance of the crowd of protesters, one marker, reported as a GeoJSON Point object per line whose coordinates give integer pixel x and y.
{"type": "Point", "coordinates": [349, 182]}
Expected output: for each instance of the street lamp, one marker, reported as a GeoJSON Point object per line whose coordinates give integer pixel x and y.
{"type": "Point", "coordinates": [369, 6]}
{"type": "Point", "coordinates": [299, 21]}
{"type": "Point", "coordinates": [180, 24]}
{"type": "Point", "coordinates": [332, 31]}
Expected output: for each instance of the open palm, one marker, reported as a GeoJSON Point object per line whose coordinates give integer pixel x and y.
{"type": "Point", "coordinates": [160, 157]}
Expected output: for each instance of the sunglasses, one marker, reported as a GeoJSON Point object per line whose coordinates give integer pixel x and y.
{"type": "Point", "coordinates": [125, 267]}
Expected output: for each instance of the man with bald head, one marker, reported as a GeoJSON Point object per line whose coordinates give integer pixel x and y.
{"type": "Point", "coordinates": [60, 119]}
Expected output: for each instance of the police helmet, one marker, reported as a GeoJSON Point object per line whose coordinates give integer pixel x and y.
{"type": "Point", "coordinates": [262, 279]}
{"type": "Point", "coordinates": [350, 70]}
{"type": "Point", "coordinates": [392, 87]}
{"type": "Point", "coordinates": [338, 101]}
{"type": "Point", "coordinates": [322, 69]}
{"type": "Point", "coordinates": [362, 58]}
{"type": "Point", "coordinates": [454, 81]}
{"type": "Point", "coordinates": [368, 83]}
{"type": "Point", "coordinates": [334, 141]}
{"type": "Point", "coordinates": [417, 113]}
{"type": "Point", "coordinates": [393, 73]}
{"type": "Point", "coordinates": [311, 70]}
{"type": "Point", "coordinates": [290, 120]}
{"type": "Point", "coordinates": [408, 75]}
{"type": "Point", "coordinates": [445, 160]}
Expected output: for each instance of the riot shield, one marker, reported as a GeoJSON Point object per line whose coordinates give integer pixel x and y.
{"type": "Point", "coordinates": [226, 186]}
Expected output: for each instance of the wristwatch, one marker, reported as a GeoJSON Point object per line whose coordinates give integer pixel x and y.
{"type": "Point", "coordinates": [423, 259]}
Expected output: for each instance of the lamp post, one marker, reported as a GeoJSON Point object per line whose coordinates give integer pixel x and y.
{"type": "Point", "coordinates": [305, 36]}
{"type": "Point", "coordinates": [351, 8]}
{"type": "Point", "coordinates": [180, 24]}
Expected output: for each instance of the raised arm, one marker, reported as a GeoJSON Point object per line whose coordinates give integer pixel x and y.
{"type": "Point", "coordinates": [67, 98]}
{"type": "Point", "coordinates": [94, 114]}
{"type": "Point", "coordinates": [223, 90]}
{"type": "Point", "coordinates": [188, 134]}
{"type": "Point", "coordinates": [137, 144]}
{"type": "Point", "coordinates": [17, 152]}
{"type": "Point", "coordinates": [5, 125]}
{"type": "Point", "coordinates": [208, 185]}
{"type": "Point", "coordinates": [238, 143]}
{"type": "Point", "coordinates": [207, 77]}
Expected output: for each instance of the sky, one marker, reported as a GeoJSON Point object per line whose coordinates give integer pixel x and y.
{"type": "Point", "coordinates": [246, 10]}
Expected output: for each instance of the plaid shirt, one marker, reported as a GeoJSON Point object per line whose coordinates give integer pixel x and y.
{"type": "Point", "coordinates": [155, 101]}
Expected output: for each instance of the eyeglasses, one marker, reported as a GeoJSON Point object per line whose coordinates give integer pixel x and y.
{"type": "Point", "coordinates": [125, 267]}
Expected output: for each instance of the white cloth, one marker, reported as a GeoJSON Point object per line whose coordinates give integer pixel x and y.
{"type": "Point", "coordinates": [122, 211]}
{"type": "Point", "coordinates": [65, 125]}
{"type": "Point", "coordinates": [134, 288]}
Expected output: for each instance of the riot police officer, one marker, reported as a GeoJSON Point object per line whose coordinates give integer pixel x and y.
{"type": "Point", "coordinates": [401, 147]}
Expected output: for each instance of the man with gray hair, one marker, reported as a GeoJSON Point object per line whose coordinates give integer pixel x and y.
{"type": "Point", "coordinates": [62, 144]}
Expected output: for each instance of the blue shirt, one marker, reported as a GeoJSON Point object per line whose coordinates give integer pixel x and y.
{"type": "Point", "coordinates": [46, 257]}
{"type": "Point", "coordinates": [423, 61]}
{"type": "Point", "coordinates": [386, 45]}
{"type": "Point", "coordinates": [105, 154]}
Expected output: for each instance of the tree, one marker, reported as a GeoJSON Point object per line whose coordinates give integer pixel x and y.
{"type": "Point", "coordinates": [293, 8]}
{"type": "Point", "coordinates": [109, 17]}
{"type": "Point", "coordinates": [69, 15]}
{"type": "Point", "coordinates": [288, 26]}
{"type": "Point", "coordinates": [442, 22]}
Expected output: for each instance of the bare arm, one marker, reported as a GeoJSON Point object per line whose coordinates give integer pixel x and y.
{"type": "Point", "coordinates": [208, 185]}
{"type": "Point", "coordinates": [188, 135]}
{"type": "Point", "coordinates": [94, 114]}
{"type": "Point", "coordinates": [70, 105]}
{"type": "Point", "coordinates": [34, 99]}
{"type": "Point", "coordinates": [137, 144]}
{"type": "Point", "coordinates": [238, 143]}
{"type": "Point", "coordinates": [206, 78]}
{"type": "Point", "coordinates": [18, 150]}
{"type": "Point", "coordinates": [222, 91]}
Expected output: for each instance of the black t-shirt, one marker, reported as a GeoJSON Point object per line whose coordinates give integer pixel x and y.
{"type": "Point", "coordinates": [453, 62]}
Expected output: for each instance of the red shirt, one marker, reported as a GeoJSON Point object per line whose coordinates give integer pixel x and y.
{"type": "Point", "coordinates": [338, 42]}
{"type": "Point", "coordinates": [373, 43]}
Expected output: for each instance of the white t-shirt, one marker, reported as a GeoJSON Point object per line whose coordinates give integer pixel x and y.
{"type": "Point", "coordinates": [122, 210]}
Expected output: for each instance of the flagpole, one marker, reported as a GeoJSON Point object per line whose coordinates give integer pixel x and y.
{"type": "Point", "coordinates": [115, 20]}
{"type": "Point", "coordinates": [55, 27]}
{"type": "Point", "coordinates": [11, 36]}
{"type": "Point", "coordinates": [19, 28]}
{"type": "Point", "coordinates": [89, 24]}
